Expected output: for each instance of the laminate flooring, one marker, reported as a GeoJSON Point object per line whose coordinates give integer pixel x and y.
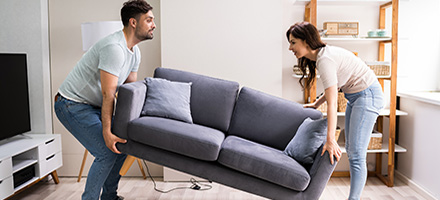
{"type": "Point", "coordinates": [136, 188]}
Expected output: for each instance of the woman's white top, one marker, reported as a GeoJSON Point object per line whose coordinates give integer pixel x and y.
{"type": "Point", "coordinates": [341, 67]}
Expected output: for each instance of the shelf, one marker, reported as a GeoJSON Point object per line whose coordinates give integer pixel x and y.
{"type": "Point", "coordinates": [317, 76]}
{"type": "Point", "coordinates": [21, 164]}
{"type": "Point", "coordinates": [344, 2]}
{"type": "Point", "coordinates": [384, 149]}
{"type": "Point", "coordinates": [383, 112]}
{"type": "Point", "coordinates": [25, 184]}
{"type": "Point", "coordinates": [357, 39]}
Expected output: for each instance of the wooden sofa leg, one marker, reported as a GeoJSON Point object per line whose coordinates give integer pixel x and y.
{"type": "Point", "coordinates": [127, 164]}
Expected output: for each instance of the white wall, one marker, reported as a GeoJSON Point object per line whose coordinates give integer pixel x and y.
{"type": "Point", "coordinates": [66, 50]}
{"type": "Point", "coordinates": [25, 29]}
{"type": "Point", "coordinates": [419, 46]}
{"type": "Point", "coordinates": [419, 134]}
{"type": "Point", "coordinates": [233, 40]}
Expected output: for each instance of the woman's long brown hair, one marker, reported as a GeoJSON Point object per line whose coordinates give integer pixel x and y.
{"type": "Point", "coordinates": [308, 33]}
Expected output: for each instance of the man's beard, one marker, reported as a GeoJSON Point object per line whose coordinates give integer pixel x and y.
{"type": "Point", "coordinates": [147, 36]}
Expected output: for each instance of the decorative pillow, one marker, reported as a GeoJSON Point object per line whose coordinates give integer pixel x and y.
{"type": "Point", "coordinates": [168, 99]}
{"type": "Point", "coordinates": [307, 140]}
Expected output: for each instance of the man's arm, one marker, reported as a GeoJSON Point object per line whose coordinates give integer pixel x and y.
{"type": "Point", "coordinates": [109, 83]}
{"type": "Point", "coordinates": [131, 78]}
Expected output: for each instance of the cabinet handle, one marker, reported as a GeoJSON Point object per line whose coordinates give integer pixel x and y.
{"type": "Point", "coordinates": [49, 141]}
{"type": "Point", "coordinates": [50, 157]}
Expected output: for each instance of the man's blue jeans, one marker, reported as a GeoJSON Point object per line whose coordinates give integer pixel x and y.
{"type": "Point", "coordinates": [360, 116]}
{"type": "Point", "coordinates": [83, 121]}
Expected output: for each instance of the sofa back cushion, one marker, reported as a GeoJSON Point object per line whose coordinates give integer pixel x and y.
{"type": "Point", "coordinates": [212, 100]}
{"type": "Point", "coordinates": [267, 119]}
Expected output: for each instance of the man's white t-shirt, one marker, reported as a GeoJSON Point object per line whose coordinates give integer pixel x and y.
{"type": "Point", "coordinates": [341, 67]}
{"type": "Point", "coordinates": [111, 54]}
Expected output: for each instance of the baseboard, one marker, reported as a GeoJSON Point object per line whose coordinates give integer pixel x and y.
{"type": "Point", "coordinates": [414, 186]}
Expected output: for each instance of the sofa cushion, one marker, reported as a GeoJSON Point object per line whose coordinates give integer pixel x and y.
{"type": "Point", "coordinates": [212, 99]}
{"type": "Point", "coordinates": [191, 140]}
{"type": "Point", "coordinates": [168, 99]}
{"type": "Point", "coordinates": [263, 162]}
{"type": "Point", "coordinates": [267, 119]}
{"type": "Point", "coordinates": [309, 137]}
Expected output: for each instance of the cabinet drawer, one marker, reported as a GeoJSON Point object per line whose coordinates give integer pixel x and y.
{"type": "Point", "coordinates": [50, 163]}
{"type": "Point", "coordinates": [348, 25]}
{"type": "Point", "coordinates": [5, 168]}
{"type": "Point", "coordinates": [6, 187]}
{"type": "Point", "coordinates": [348, 31]}
{"type": "Point", "coordinates": [332, 28]}
{"type": "Point", "coordinates": [53, 146]}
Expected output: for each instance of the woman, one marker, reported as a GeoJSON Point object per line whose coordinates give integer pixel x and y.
{"type": "Point", "coordinates": [340, 69]}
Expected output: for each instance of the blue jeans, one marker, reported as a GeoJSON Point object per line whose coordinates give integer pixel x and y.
{"type": "Point", "coordinates": [360, 116]}
{"type": "Point", "coordinates": [83, 121]}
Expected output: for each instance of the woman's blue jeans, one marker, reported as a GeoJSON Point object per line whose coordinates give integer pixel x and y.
{"type": "Point", "coordinates": [83, 121]}
{"type": "Point", "coordinates": [360, 116]}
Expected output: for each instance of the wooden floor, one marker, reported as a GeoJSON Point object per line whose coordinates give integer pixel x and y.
{"type": "Point", "coordinates": [140, 189]}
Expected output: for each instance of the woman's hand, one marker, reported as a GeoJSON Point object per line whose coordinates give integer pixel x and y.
{"type": "Point", "coordinates": [333, 149]}
{"type": "Point", "coordinates": [310, 105]}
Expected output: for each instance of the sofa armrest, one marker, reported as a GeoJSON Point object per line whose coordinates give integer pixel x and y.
{"type": "Point", "coordinates": [131, 98]}
{"type": "Point", "coordinates": [320, 173]}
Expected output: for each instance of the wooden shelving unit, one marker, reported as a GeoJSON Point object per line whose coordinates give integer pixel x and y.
{"type": "Point", "coordinates": [390, 148]}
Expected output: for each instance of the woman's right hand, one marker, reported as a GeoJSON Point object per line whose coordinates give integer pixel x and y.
{"type": "Point", "coordinates": [333, 149]}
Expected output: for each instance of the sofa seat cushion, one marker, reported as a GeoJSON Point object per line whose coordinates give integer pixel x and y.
{"type": "Point", "coordinates": [263, 162]}
{"type": "Point", "coordinates": [191, 140]}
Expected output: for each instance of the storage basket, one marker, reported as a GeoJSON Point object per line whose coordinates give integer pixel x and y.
{"type": "Point", "coordinates": [323, 107]}
{"type": "Point", "coordinates": [342, 102]}
{"type": "Point", "coordinates": [298, 71]}
{"type": "Point", "coordinates": [375, 141]}
{"type": "Point", "coordinates": [380, 68]}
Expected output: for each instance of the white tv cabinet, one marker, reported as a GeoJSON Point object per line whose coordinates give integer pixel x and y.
{"type": "Point", "coordinates": [23, 152]}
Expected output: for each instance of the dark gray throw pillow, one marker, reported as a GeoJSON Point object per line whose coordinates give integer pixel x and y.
{"type": "Point", "coordinates": [308, 138]}
{"type": "Point", "coordinates": [168, 99]}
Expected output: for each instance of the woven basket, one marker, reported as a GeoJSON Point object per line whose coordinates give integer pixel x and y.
{"type": "Point", "coordinates": [298, 71]}
{"type": "Point", "coordinates": [375, 141]}
{"type": "Point", "coordinates": [323, 107]}
{"type": "Point", "coordinates": [380, 68]}
{"type": "Point", "coordinates": [342, 102]}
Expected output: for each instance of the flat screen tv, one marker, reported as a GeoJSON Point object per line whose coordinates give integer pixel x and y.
{"type": "Point", "coordinates": [14, 103]}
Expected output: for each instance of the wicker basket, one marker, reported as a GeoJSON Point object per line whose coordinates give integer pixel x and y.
{"type": "Point", "coordinates": [380, 68]}
{"type": "Point", "coordinates": [342, 102]}
{"type": "Point", "coordinates": [298, 71]}
{"type": "Point", "coordinates": [375, 141]}
{"type": "Point", "coordinates": [323, 107]}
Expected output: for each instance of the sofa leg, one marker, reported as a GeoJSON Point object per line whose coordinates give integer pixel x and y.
{"type": "Point", "coordinates": [127, 164]}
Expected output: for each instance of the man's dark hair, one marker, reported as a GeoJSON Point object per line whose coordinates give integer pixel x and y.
{"type": "Point", "coordinates": [132, 9]}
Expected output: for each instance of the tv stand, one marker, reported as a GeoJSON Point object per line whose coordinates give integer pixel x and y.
{"type": "Point", "coordinates": [26, 159]}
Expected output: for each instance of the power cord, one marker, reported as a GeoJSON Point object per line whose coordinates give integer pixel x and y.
{"type": "Point", "coordinates": [196, 185]}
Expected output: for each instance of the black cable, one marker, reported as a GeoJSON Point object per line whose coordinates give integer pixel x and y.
{"type": "Point", "coordinates": [196, 185]}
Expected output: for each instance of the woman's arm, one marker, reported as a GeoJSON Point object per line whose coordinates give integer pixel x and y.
{"type": "Point", "coordinates": [331, 96]}
{"type": "Point", "coordinates": [316, 104]}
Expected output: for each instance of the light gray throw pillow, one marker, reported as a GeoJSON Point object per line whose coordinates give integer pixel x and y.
{"type": "Point", "coordinates": [310, 135]}
{"type": "Point", "coordinates": [168, 99]}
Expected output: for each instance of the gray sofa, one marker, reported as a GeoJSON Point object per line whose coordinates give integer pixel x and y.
{"type": "Point", "coordinates": [237, 137]}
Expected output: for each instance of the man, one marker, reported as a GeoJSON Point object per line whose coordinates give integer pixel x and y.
{"type": "Point", "coordinates": [85, 100]}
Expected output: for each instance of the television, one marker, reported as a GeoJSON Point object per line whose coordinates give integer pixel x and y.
{"type": "Point", "coordinates": [14, 103]}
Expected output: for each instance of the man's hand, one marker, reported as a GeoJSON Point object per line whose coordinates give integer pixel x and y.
{"type": "Point", "coordinates": [111, 140]}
